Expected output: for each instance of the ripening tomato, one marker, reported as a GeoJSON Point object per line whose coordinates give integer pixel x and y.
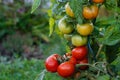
{"type": "Point", "coordinates": [66, 69]}
{"type": "Point", "coordinates": [65, 27]}
{"type": "Point", "coordinates": [85, 29]}
{"type": "Point", "coordinates": [98, 1]}
{"type": "Point", "coordinates": [80, 52]}
{"type": "Point", "coordinates": [73, 60]}
{"type": "Point", "coordinates": [69, 10]}
{"type": "Point", "coordinates": [78, 40]}
{"type": "Point", "coordinates": [84, 61]}
{"type": "Point", "coordinates": [51, 63]}
{"type": "Point", "coordinates": [90, 12]}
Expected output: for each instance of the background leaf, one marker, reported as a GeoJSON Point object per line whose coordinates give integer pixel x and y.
{"type": "Point", "coordinates": [104, 77]}
{"type": "Point", "coordinates": [51, 25]}
{"type": "Point", "coordinates": [111, 36]}
{"type": "Point", "coordinates": [41, 75]}
{"type": "Point", "coordinates": [35, 5]}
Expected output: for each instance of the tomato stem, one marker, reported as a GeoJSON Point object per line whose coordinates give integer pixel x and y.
{"type": "Point", "coordinates": [93, 65]}
{"type": "Point", "coordinates": [99, 50]}
{"type": "Point", "coordinates": [90, 49]}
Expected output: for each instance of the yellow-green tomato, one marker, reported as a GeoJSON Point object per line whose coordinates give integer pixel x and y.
{"type": "Point", "coordinates": [78, 40]}
{"type": "Point", "coordinates": [85, 29]}
{"type": "Point", "coordinates": [65, 27]}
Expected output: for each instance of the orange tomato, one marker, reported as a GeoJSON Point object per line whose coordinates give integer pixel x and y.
{"type": "Point", "coordinates": [98, 1]}
{"type": "Point", "coordinates": [90, 12]}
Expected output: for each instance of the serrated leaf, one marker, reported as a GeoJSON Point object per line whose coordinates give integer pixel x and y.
{"type": "Point", "coordinates": [36, 4]}
{"type": "Point", "coordinates": [110, 4]}
{"type": "Point", "coordinates": [104, 77]}
{"type": "Point", "coordinates": [105, 22]}
{"type": "Point", "coordinates": [77, 6]}
{"type": "Point", "coordinates": [111, 36]}
{"type": "Point", "coordinates": [116, 64]}
{"type": "Point", "coordinates": [51, 26]}
{"type": "Point", "coordinates": [41, 75]}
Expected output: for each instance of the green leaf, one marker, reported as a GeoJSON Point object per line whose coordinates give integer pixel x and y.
{"type": "Point", "coordinates": [77, 6]}
{"type": "Point", "coordinates": [111, 36]}
{"type": "Point", "coordinates": [105, 22]}
{"type": "Point", "coordinates": [116, 64]}
{"type": "Point", "coordinates": [41, 75]}
{"type": "Point", "coordinates": [110, 4]}
{"type": "Point", "coordinates": [51, 25]}
{"type": "Point", "coordinates": [35, 5]}
{"type": "Point", "coordinates": [104, 77]}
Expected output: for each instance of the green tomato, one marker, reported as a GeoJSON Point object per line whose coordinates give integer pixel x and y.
{"type": "Point", "coordinates": [65, 27]}
{"type": "Point", "coordinates": [78, 40]}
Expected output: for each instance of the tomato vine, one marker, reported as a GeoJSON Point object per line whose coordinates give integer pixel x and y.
{"type": "Point", "coordinates": [102, 41]}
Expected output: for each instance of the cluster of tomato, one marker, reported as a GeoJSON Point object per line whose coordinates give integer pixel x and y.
{"type": "Point", "coordinates": [65, 66]}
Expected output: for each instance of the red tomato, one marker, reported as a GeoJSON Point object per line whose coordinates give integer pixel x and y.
{"type": "Point", "coordinates": [79, 52]}
{"type": "Point", "coordinates": [73, 60]}
{"type": "Point", "coordinates": [66, 69]}
{"type": "Point", "coordinates": [84, 61]}
{"type": "Point", "coordinates": [51, 63]}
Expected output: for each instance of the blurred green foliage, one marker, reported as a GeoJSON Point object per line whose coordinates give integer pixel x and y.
{"type": "Point", "coordinates": [23, 69]}
{"type": "Point", "coordinates": [19, 28]}
{"type": "Point", "coordinates": [25, 34]}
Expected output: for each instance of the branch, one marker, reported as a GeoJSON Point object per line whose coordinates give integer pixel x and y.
{"type": "Point", "coordinates": [78, 65]}
{"type": "Point", "coordinates": [99, 50]}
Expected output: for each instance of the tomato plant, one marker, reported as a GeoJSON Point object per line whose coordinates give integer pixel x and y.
{"type": "Point", "coordinates": [99, 46]}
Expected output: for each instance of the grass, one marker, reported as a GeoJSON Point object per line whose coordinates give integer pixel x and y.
{"type": "Point", "coordinates": [24, 70]}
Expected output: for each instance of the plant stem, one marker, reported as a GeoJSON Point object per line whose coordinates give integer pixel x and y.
{"type": "Point", "coordinates": [99, 50]}
{"type": "Point", "coordinates": [78, 65]}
